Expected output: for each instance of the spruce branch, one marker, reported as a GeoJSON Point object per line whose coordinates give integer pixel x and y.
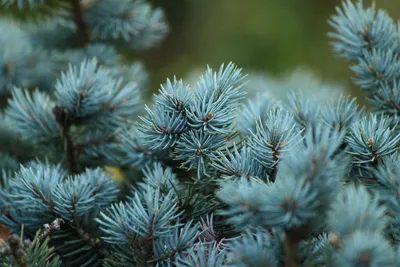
{"type": "Point", "coordinates": [92, 242]}
{"type": "Point", "coordinates": [146, 243]}
{"type": "Point", "coordinates": [394, 105]}
{"type": "Point", "coordinates": [64, 125]}
{"type": "Point", "coordinates": [47, 202]}
{"type": "Point", "coordinates": [75, 226]}
{"type": "Point", "coordinates": [275, 180]}
{"type": "Point", "coordinates": [291, 244]}
{"type": "Point", "coordinates": [291, 253]}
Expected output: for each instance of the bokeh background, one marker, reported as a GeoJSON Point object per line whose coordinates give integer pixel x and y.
{"type": "Point", "coordinates": [264, 36]}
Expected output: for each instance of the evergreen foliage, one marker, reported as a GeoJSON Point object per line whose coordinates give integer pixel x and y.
{"type": "Point", "coordinates": [210, 179]}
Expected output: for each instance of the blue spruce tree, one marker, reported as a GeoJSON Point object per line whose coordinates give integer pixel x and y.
{"type": "Point", "coordinates": [220, 181]}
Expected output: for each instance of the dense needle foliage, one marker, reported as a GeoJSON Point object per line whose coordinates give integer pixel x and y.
{"type": "Point", "coordinates": [210, 178]}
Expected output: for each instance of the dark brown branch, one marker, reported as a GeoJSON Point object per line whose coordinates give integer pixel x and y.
{"type": "Point", "coordinates": [291, 242]}
{"type": "Point", "coordinates": [64, 125]}
{"type": "Point", "coordinates": [395, 106]}
{"type": "Point", "coordinates": [291, 252]}
{"type": "Point", "coordinates": [69, 147]}
{"type": "Point", "coordinates": [81, 29]}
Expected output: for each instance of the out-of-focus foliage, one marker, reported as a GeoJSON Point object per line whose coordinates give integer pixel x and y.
{"type": "Point", "coordinates": [213, 179]}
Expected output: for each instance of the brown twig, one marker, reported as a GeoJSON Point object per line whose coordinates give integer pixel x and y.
{"type": "Point", "coordinates": [81, 29]}
{"type": "Point", "coordinates": [64, 125]}
{"type": "Point", "coordinates": [291, 242]}
{"type": "Point", "coordinates": [291, 251]}
{"type": "Point", "coordinates": [395, 106]}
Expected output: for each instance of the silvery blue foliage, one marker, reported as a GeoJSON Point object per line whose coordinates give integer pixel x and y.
{"type": "Point", "coordinates": [342, 113]}
{"type": "Point", "coordinates": [306, 109]}
{"type": "Point", "coordinates": [22, 3]}
{"type": "Point", "coordinates": [322, 165]}
{"type": "Point", "coordinates": [162, 128]}
{"type": "Point", "coordinates": [217, 95]}
{"type": "Point", "coordinates": [366, 214]}
{"type": "Point", "coordinates": [300, 79]}
{"type": "Point", "coordinates": [273, 136]}
{"type": "Point", "coordinates": [175, 96]}
{"type": "Point", "coordinates": [130, 150]}
{"type": "Point", "coordinates": [32, 187]}
{"type": "Point", "coordinates": [152, 33]}
{"type": "Point", "coordinates": [388, 177]}
{"type": "Point", "coordinates": [207, 178]}
{"type": "Point", "coordinates": [238, 164]}
{"type": "Point", "coordinates": [105, 55]}
{"type": "Point", "coordinates": [22, 63]}
{"type": "Point", "coordinates": [250, 111]}
{"type": "Point", "coordinates": [92, 89]}
{"type": "Point", "coordinates": [159, 177]}
{"type": "Point", "coordinates": [372, 139]}
{"type": "Point", "coordinates": [366, 247]}
{"type": "Point", "coordinates": [358, 29]}
{"type": "Point", "coordinates": [84, 91]}
{"type": "Point", "coordinates": [228, 80]}
{"type": "Point", "coordinates": [110, 20]}
{"type": "Point", "coordinates": [33, 111]}
{"type": "Point", "coordinates": [41, 33]}
{"type": "Point", "coordinates": [134, 72]}
{"type": "Point", "coordinates": [197, 148]}
{"type": "Point", "coordinates": [202, 255]}
{"type": "Point", "coordinates": [157, 212]}
{"type": "Point", "coordinates": [289, 203]}
{"type": "Point", "coordinates": [376, 68]}
{"type": "Point", "coordinates": [132, 22]}
{"type": "Point", "coordinates": [33, 53]}
{"type": "Point", "coordinates": [369, 38]}
{"type": "Point", "coordinates": [366, 222]}
{"type": "Point", "coordinates": [255, 248]}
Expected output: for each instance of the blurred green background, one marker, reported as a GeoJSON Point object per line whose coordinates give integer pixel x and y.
{"type": "Point", "coordinates": [274, 37]}
{"type": "Point", "coordinates": [270, 36]}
